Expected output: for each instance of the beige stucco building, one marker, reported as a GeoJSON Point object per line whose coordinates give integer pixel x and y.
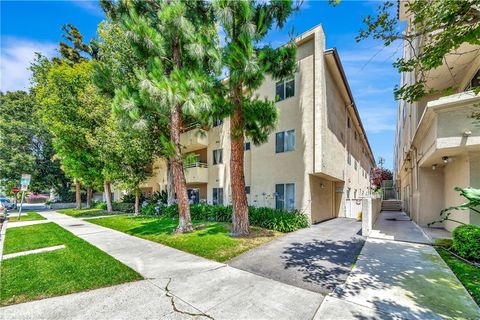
{"type": "Point", "coordinates": [317, 157]}
{"type": "Point", "coordinates": [437, 143]}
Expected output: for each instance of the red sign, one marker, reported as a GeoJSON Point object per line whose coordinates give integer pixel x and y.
{"type": "Point", "coordinates": [15, 190]}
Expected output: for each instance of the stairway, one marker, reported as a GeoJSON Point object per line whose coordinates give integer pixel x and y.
{"type": "Point", "coordinates": [391, 205]}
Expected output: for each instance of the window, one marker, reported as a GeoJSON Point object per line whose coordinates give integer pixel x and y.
{"type": "Point", "coordinates": [218, 196]}
{"type": "Point", "coordinates": [218, 156]}
{"type": "Point", "coordinates": [348, 193]}
{"type": "Point", "coordinates": [247, 189]}
{"type": "Point", "coordinates": [349, 158]}
{"type": "Point", "coordinates": [285, 196]}
{"type": "Point", "coordinates": [246, 146]}
{"type": "Point", "coordinates": [355, 164]}
{"type": "Point", "coordinates": [348, 122]}
{"type": "Point", "coordinates": [355, 194]}
{"type": "Point", "coordinates": [284, 89]}
{"type": "Point", "coordinates": [356, 136]}
{"type": "Point", "coordinates": [217, 122]}
{"type": "Point", "coordinates": [285, 141]}
{"type": "Point", "coordinates": [475, 82]}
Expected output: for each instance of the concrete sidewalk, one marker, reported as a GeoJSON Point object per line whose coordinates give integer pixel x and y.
{"type": "Point", "coordinates": [399, 280]}
{"type": "Point", "coordinates": [186, 286]}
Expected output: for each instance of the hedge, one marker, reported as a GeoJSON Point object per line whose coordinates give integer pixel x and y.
{"type": "Point", "coordinates": [466, 241]}
{"type": "Point", "coordinates": [268, 218]}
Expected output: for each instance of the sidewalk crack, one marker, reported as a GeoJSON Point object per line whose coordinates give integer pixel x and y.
{"type": "Point", "coordinates": [174, 306]}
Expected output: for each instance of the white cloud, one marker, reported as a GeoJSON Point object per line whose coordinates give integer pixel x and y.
{"type": "Point", "coordinates": [378, 118]}
{"type": "Point", "coordinates": [91, 6]}
{"type": "Point", "coordinates": [15, 58]}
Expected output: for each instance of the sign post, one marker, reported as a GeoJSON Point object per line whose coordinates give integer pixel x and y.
{"type": "Point", "coordinates": [25, 182]}
{"type": "Point", "coordinates": [15, 191]}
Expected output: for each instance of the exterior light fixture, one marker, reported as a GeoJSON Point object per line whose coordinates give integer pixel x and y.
{"type": "Point", "coordinates": [445, 159]}
{"type": "Point", "coordinates": [434, 167]}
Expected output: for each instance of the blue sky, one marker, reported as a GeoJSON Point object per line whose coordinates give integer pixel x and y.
{"type": "Point", "coordinates": [27, 27]}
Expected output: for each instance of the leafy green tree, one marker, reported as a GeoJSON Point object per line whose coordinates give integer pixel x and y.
{"type": "Point", "coordinates": [71, 109]}
{"type": "Point", "coordinates": [178, 42]}
{"type": "Point", "coordinates": [26, 145]}
{"type": "Point", "coordinates": [246, 24]}
{"type": "Point", "coordinates": [442, 26]}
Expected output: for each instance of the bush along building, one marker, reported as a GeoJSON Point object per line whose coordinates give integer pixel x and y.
{"type": "Point", "coordinates": [318, 159]}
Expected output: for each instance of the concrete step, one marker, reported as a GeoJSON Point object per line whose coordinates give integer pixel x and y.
{"type": "Point", "coordinates": [392, 205]}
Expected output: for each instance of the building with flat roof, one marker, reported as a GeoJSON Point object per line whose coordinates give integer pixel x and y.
{"type": "Point", "coordinates": [317, 160]}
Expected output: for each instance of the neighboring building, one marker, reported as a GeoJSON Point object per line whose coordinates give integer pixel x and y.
{"type": "Point", "coordinates": [437, 142]}
{"type": "Point", "coordinates": [318, 156]}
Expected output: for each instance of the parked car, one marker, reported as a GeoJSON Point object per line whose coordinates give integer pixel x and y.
{"type": "Point", "coordinates": [7, 204]}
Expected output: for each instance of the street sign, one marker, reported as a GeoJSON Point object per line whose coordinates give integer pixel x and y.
{"type": "Point", "coordinates": [25, 179]}
{"type": "Point", "coordinates": [24, 187]}
{"type": "Point", "coordinates": [15, 190]}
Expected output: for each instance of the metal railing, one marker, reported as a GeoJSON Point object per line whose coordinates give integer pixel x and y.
{"type": "Point", "coordinates": [197, 164]}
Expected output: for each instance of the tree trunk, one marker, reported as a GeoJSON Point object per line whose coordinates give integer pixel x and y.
{"type": "Point", "coordinates": [240, 223]}
{"type": "Point", "coordinates": [89, 196]}
{"type": "Point", "coordinates": [170, 186]}
{"type": "Point", "coordinates": [78, 195]}
{"type": "Point", "coordinates": [137, 202]}
{"type": "Point", "coordinates": [179, 182]}
{"type": "Point", "coordinates": [108, 195]}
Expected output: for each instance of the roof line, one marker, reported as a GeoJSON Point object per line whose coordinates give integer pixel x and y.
{"type": "Point", "coordinates": [334, 52]}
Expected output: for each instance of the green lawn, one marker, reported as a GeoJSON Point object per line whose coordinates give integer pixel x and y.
{"type": "Point", "coordinates": [468, 275]}
{"type": "Point", "coordinates": [72, 212]}
{"type": "Point", "coordinates": [210, 239]}
{"type": "Point", "coordinates": [78, 267]}
{"type": "Point", "coordinates": [31, 215]}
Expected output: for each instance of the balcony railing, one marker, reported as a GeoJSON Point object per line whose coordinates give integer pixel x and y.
{"type": "Point", "coordinates": [198, 164]}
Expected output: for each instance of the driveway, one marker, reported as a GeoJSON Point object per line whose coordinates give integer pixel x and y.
{"type": "Point", "coordinates": [317, 259]}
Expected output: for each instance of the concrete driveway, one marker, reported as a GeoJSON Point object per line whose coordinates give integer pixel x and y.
{"type": "Point", "coordinates": [317, 259]}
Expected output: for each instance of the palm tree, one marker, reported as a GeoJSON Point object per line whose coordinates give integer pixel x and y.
{"type": "Point", "coordinates": [245, 24]}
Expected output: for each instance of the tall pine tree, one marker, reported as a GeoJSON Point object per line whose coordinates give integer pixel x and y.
{"type": "Point", "coordinates": [178, 42]}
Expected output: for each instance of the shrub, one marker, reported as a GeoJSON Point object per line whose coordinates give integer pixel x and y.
{"type": "Point", "coordinates": [123, 207]}
{"type": "Point", "coordinates": [99, 205]}
{"type": "Point", "coordinates": [149, 209]}
{"type": "Point", "coordinates": [267, 218]}
{"type": "Point", "coordinates": [130, 198]}
{"type": "Point", "coordinates": [466, 241]}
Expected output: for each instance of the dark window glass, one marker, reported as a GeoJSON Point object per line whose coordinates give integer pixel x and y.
{"type": "Point", "coordinates": [279, 142]}
{"type": "Point", "coordinates": [217, 122]}
{"type": "Point", "coordinates": [279, 196]}
{"type": "Point", "coordinates": [218, 156]}
{"type": "Point", "coordinates": [348, 122]}
{"type": "Point", "coordinates": [289, 88]}
{"type": "Point", "coordinates": [218, 196]}
{"type": "Point", "coordinates": [289, 140]}
{"type": "Point", "coordinates": [280, 91]}
{"type": "Point", "coordinates": [247, 146]}
{"type": "Point", "coordinates": [247, 189]}
{"type": "Point", "coordinates": [475, 82]}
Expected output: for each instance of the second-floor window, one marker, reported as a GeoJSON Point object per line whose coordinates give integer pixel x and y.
{"type": "Point", "coordinates": [247, 146]}
{"type": "Point", "coordinates": [218, 156]}
{"type": "Point", "coordinates": [217, 122]}
{"type": "Point", "coordinates": [475, 82]}
{"type": "Point", "coordinates": [285, 141]}
{"type": "Point", "coordinates": [284, 89]}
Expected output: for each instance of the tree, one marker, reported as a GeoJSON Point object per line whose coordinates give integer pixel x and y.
{"type": "Point", "coordinates": [378, 175]}
{"type": "Point", "coordinates": [69, 107]}
{"type": "Point", "coordinates": [178, 41]}
{"type": "Point", "coordinates": [26, 145]}
{"type": "Point", "coordinates": [246, 23]}
{"type": "Point", "coordinates": [442, 26]}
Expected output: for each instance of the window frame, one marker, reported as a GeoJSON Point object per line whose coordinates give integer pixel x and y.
{"type": "Point", "coordinates": [283, 201]}
{"type": "Point", "coordinates": [214, 162]}
{"type": "Point", "coordinates": [284, 136]}
{"type": "Point", "coordinates": [217, 192]}
{"type": "Point", "coordinates": [282, 85]}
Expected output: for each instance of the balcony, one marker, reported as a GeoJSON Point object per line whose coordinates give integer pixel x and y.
{"type": "Point", "coordinates": [196, 172]}
{"type": "Point", "coordinates": [193, 139]}
{"type": "Point", "coordinates": [446, 129]}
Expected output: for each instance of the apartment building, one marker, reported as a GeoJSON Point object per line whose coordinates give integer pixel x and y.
{"type": "Point", "coordinates": [317, 158]}
{"type": "Point", "coordinates": [437, 142]}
